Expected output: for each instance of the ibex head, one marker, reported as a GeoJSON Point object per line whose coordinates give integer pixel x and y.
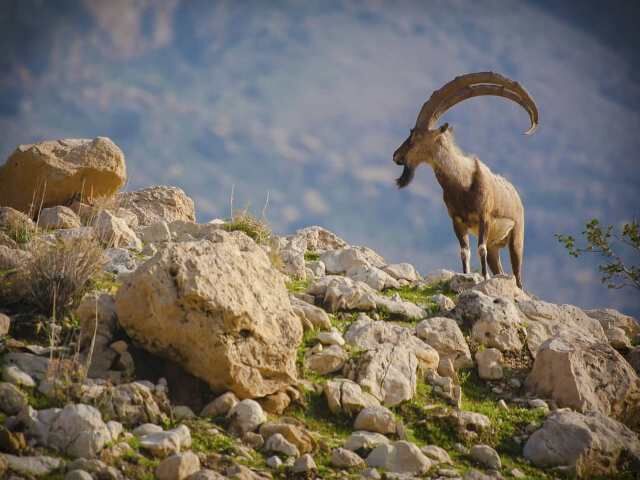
{"type": "Point", "coordinates": [420, 145]}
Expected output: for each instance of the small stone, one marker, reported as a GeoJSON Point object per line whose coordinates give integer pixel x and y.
{"type": "Point", "coordinates": [502, 405]}
{"type": "Point", "coordinates": [329, 360]}
{"type": "Point", "coordinates": [167, 443]}
{"type": "Point", "coordinates": [448, 473]}
{"type": "Point", "coordinates": [487, 456]}
{"type": "Point", "coordinates": [246, 416]}
{"type": "Point", "coordinates": [178, 467]}
{"type": "Point", "coordinates": [13, 374]}
{"type": "Point", "coordinates": [58, 217]}
{"type": "Point", "coordinates": [12, 400]}
{"type": "Point", "coordinates": [437, 454]}
{"type": "Point", "coordinates": [115, 429]}
{"type": "Point", "coordinates": [119, 346]}
{"type": "Point", "coordinates": [220, 406]}
{"type": "Point", "coordinates": [343, 458]}
{"type": "Point", "coordinates": [182, 412]}
{"type": "Point", "coordinates": [5, 324]}
{"type": "Point", "coordinates": [538, 403]}
{"type": "Point", "coordinates": [254, 440]}
{"type": "Point", "coordinates": [331, 338]}
{"type": "Point", "coordinates": [32, 466]}
{"type": "Point", "coordinates": [304, 464]}
{"type": "Point", "coordinates": [146, 429]}
{"type": "Point", "coordinates": [490, 364]}
{"type": "Point", "coordinates": [364, 440]}
{"type": "Point", "coordinates": [399, 457]}
{"type": "Point", "coordinates": [78, 475]}
{"type": "Point", "coordinates": [274, 462]}
{"type": "Point", "coordinates": [371, 473]}
{"type": "Point", "coordinates": [515, 383]}
{"type": "Point", "coordinates": [278, 444]}
{"type": "Point", "coordinates": [376, 419]}
{"type": "Point", "coordinates": [516, 473]}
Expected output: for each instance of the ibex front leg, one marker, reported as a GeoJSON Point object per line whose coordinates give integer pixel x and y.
{"type": "Point", "coordinates": [463, 237]}
{"type": "Point", "coordinates": [483, 231]}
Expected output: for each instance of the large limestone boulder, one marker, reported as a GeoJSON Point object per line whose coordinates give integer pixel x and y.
{"type": "Point", "coordinates": [587, 376]}
{"type": "Point", "coordinates": [590, 445]}
{"type": "Point", "coordinates": [56, 172]}
{"type": "Point", "coordinates": [543, 320]}
{"type": "Point", "coordinates": [219, 309]}
{"type": "Point", "coordinates": [621, 330]}
{"type": "Point", "coordinates": [159, 203]}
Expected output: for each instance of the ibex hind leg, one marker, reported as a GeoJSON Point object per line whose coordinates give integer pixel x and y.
{"type": "Point", "coordinates": [516, 252]}
{"type": "Point", "coordinates": [493, 258]}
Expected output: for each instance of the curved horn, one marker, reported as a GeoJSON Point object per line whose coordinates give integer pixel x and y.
{"type": "Point", "coordinates": [474, 85]}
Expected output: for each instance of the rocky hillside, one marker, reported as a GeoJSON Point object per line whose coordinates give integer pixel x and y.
{"type": "Point", "coordinates": [137, 343]}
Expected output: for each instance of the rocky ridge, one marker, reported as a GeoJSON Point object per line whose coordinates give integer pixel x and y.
{"type": "Point", "coordinates": [216, 350]}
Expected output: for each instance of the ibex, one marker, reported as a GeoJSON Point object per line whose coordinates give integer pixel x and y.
{"type": "Point", "coordinates": [477, 200]}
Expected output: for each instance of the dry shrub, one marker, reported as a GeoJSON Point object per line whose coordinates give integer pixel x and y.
{"type": "Point", "coordinates": [16, 225]}
{"type": "Point", "coordinates": [60, 273]}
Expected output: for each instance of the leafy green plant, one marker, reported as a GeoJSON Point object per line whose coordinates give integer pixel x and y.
{"type": "Point", "coordinates": [612, 245]}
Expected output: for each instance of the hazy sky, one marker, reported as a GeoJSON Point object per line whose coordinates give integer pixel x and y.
{"type": "Point", "coordinates": [308, 100]}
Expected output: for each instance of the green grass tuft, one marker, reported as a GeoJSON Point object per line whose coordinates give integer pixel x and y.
{"type": "Point", "coordinates": [254, 227]}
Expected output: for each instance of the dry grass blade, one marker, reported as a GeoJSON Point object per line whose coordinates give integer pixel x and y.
{"type": "Point", "coordinates": [60, 273]}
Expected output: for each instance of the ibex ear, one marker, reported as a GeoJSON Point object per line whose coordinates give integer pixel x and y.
{"type": "Point", "coordinates": [444, 128]}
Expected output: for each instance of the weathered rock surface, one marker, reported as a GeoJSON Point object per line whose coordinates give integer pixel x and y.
{"type": "Point", "coordinates": [310, 316]}
{"type": "Point", "coordinates": [328, 360]}
{"type": "Point", "coordinates": [158, 203]}
{"type": "Point", "coordinates": [363, 440]}
{"type": "Point", "coordinates": [445, 336]}
{"type": "Point", "coordinates": [246, 416]}
{"type": "Point", "coordinates": [399, 457]}
{"type": "Point", "coordinates": [178, 467]}
{"type": "Point", "coordinates": [544, 320]}
{"type": "Point", "coordinates": [501, 286]}
{"type": "Point", "coordinates": [32, 466]}
{"type": "Point", "coordinates": [376, 419]}
{"type": "Point", "coordinates": [343, 259]}
{"type": "Point", "coordinates": [487, 456]}
{"type": "Point", "coordinates": [388, 372]}
{"type": "Point", "coordinates": [130, 403]}
{"type": "Point", "coordinates": [374, 277]}
{"type": "Point", "coordinates": [347, 396]}
{"type": "Point", "coordinates": [612, 321]}
{"type": "Point", "coordinates": [586, 376]}
{"type": "Point", "coordinates": [220, 310]}
{"type": "Point", "coordinates": [490, 364]}
{"type": "Point", "coordinates": [58, 217]}
{"type": "Point", "coordinates": [220, 406]}
{"type": "Point", "coordinates": [367, 334]}
{"type": "Point", "coordinates": [76, 430]}
{"type": "Point", "coordinates": [12, 400]}
{"type": "Point", "coordinates": [113, 231]}
{"type": "Point", "coordinates": [343, 458]}
{"type": "Point", "coordinates": [55, 172]}
{"type": "Point", "coordinates": [319, 239]}
{"type": "Point", "coordinates": [293, 433]}
{"type": "Point", "coordinates": [495, 321]}
{"type": "Point", "coordinates": [170, 442]}
{"type": "Point", "coordinates": [402, 271]}
{"type": "Point", "coordinates": [591, 444]}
